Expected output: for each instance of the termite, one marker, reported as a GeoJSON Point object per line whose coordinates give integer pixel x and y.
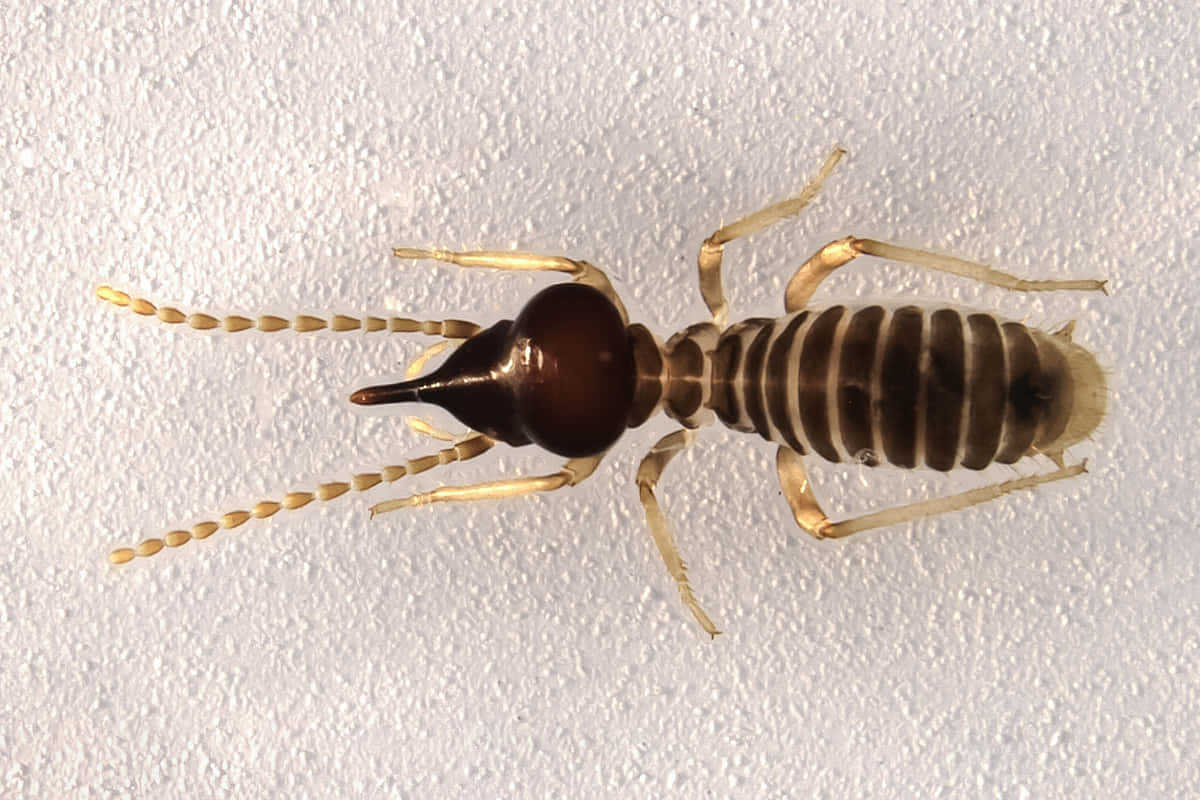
{"type": "Point", "coordinates": [908, 386]}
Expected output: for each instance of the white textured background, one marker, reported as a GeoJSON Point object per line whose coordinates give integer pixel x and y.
{"type": "Point", "coordinates": [238, 159]}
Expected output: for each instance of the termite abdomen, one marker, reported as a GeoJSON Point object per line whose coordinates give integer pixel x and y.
{"type": "Point", "coordinates": [907, 386]}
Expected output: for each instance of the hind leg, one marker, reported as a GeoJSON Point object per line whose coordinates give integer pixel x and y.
{"type": "Point", "coordinates": [571, 474]}
{"type": "Point", "coordinates": [797, 489]}
{"type": "Point", "coordinates": [838, 253]}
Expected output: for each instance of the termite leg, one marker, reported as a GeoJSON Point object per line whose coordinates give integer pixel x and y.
{"type": "Point", "coordinates": [648, 473]}
{"type": "Point", "coordinates": [793, 479]}
{"type": "Point", "coordinates": [433, 351]}
{"type": "Point", "coordinates": [816, 269]}
{"type": "Point", "coordinates": [797, 490]}
{"type": "Point", "coordinates": [572, 473]}
{"type": "Point", "coordinates": [711, 251]}
{"type": "Point", "coordinates": [581, 271]}
{"type": "Point", "coordinates": [840, 252]}
{"type": "Point", "coordinates": [422, 426]}
{"type": "Point", "coordinates": [427, 428]}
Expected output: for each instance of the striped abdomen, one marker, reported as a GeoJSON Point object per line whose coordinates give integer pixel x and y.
{"type": "Point", "coordinates": [907, 386]}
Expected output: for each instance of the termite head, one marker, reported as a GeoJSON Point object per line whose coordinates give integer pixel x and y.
{"type": "Point", "coordinates": [560, 376]}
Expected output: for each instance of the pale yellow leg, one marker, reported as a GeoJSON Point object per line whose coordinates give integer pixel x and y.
{"type": "Point", "coordinates": [793, 479]}
{"type": "Point", "coordinates": [423, 426]}
{"type": "Point", "coordinates": [816, 269]}
{"type": "Point", "coordinates": [467, 448]}
{"type": "Point", "coordinates": [427, 428]}
{"type": "Point", "coordinates": [840, 252]}
{"type": "Point", "coordinates": [581, 271]}
{"type": "Point", "coordinates": [572, 473]}
{"type": "Point", "coordinates": [648, 473]}
{"type": "Point", "coordinates": [433, 351]}
{"type": "Point", "coordinates": [338, 323]}
{"type": "Point", "coordinates": [713, 247]}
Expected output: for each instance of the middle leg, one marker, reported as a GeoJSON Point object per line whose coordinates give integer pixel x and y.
{"type": "Point", "coordinates": [714, 246]}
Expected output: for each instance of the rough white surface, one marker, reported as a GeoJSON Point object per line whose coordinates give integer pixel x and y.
{"type": "Point", "coordinates": [235, 159]}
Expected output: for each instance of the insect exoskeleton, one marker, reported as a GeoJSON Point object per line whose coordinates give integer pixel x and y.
{"type": "Point", "coordinates": [916, 387]}
{"type": "Point", "coordinates": [906, 385]}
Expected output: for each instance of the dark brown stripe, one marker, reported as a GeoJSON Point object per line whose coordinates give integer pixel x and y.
{"type": "Point", "coordinates": [1027, 393]}
{"type": "Point", "coordinates": [856, 369]}
{"type": "Point", "coordinates": [776, 385]}
{"type": "Point", "coordinates": [813, 376]}
{"type": "Point", "coordinates": [986, 389]}
{"type": "Point", "coordinates": [899, 384]}
{"type": "Point", "coordinates": [726, 360]}
{"type": "Point", "coordinates": [1059, 386]}
{"type": "Point", "coordinates": [944, 388]}
{"type": "Point", "coordinates": [756, 357]}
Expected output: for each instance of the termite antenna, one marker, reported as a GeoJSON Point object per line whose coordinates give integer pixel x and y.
{"type": "Point", "coordinates": [467, 448]}
{"type": "Point", "coordinates": [301, 323]}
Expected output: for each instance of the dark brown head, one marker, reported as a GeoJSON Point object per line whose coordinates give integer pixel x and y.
{"type": "Point", "coordinates": [560, 376]}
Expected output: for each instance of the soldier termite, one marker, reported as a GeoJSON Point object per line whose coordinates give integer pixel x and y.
{"type": "Point", "coordinates": [908, 386]}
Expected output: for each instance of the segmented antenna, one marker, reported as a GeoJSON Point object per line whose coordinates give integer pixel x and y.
{"type": "Point", "coordinates": [467, 448]}
{"type": "Point", "coordinates": [447, 328]}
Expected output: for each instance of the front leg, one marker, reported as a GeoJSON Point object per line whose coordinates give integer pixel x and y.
{"type": "Point", "coordinates": [571, 474]}
{"type": "Point", "coordinates": [580, 271]}
{"type": "Point", "coordinates": [797, 490]}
